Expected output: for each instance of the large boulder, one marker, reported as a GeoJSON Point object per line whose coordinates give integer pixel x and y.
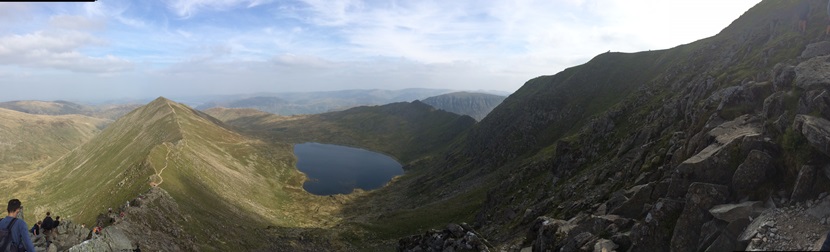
{"type": "Point", "coordinates": [728, 238]}
{"type": "Point", "coordinates": [816, 49]}
{"type": "Point", "coordinates": [733, 212]}
{"type": "Point", "coordinates": [783, 76]}
{"type": "Point", "coordinates": [813, 73]}
{"type": "Point", "coordinates": [634, 206]}
{"type": "Point", "coordinates": [774, 105]}
{"type": "Point", "coordinates": [755, 169]}
{"type": "Point", "coordinates": [712, 164]}
{"type": "Point", "coordinates": [543, 233]}
{"type": "Point", "coordinates": [814, 102]}
{"type": "Point", "coordinates": [651, 234]}
{"type": "Point", "coordinates": [453, 238]}
{"type": "Point", "coordinates": [111, 239]}
{"type": "Point", "coordinates": [700, 198]}
{"type": "Point", "coordinates": [804, 183]}
{"type": "Point", "coordinates": [816, 130]}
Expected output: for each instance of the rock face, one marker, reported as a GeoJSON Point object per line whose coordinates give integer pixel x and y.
{"type": "Point", "coordinates": [111, 239]}
{"type": "Point", "coordinates": [804, 182]}
{"type": "Point", "coordinates": [733, 212]}
{"type": "Point", "coordinates": [710, 165]}
{"type": "Point", "coordinates": [700, 198]}
{"type": "Point", "coordinates": [751, 173]}
{"type": "Point", "coordinates": [649, 234]}
{"type": "Point", "coordinates": [816, 49]}
{"type": "Point", "coordinates": [454, 238]}
{"type": "Point", "coordinates": [816, 130]}
{"type": "Point", "coordinates": [475, 105]}
{"type": "Point", "coordinates": [813, 73]}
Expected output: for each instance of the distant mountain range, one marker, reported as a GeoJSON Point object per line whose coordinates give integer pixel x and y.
{"type": "Point", "coordinates": [475, 105]}
{"type": "Point", "coordinates": [109, 111]}
{"type": "Point", "coordinates": [298, 103]}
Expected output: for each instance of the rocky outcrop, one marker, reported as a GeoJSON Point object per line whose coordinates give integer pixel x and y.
{"type": "Point", "coordinates": [651, 234]}
{"type": "Point", "coordinates": [816, 130]}
{"type": "Point", "coordinates": [783, 77]}
{"type": "Point", "coordinates": [111, 239]}
{"type": "Point", "coordinates": [700, 198]}
{"type": "Point", "coordinates": [711, 165]}
{"type": "Point", "coordinates": [816, 49]}
{"type": "Point", "coordinates": [733, 212]}
{"type": "Point", "coordinates": [582, 233]}
{"type": "Point", "coordinates": [454, 238]}
{"type": "Point", "coordinates": [751, 173]}
{"type": "Point", "coordinates": [804, 182]}
{"type": "Point", "coordinates": [813, 73]}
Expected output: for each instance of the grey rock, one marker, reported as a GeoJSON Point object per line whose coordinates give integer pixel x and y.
{"type": "Point", "coordinates": [816, 49]}
{"type": "Point", "coordinates": [633, 206]}
{"type": "Point", "coordinates": [751, 173]}
{"type": "Point", "coordinates": [604, 245]}
{"type": "Point", "coordinates": [700, 198]}
{"type": "Point", "coordinates": [783, 77]}
{"type": "Point", "coordinates": [804, 183]}
{"type": "Point", "coordinates": [813, 73]}
{"type": "Point", "coordinates": [733, 212]}
{"type": "Point", "coordinates": [649, 235]}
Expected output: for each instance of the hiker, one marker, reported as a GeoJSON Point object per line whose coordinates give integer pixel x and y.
{"type": "Point", "coordinates": [47, 226]}
{"type": "Point", "coordinates": [827, 30]}
{"type": "Point", "coordinates": [57, 222]}
{"type": "Point", "coordinates": [826, 245]}
{"type": "Point", "coordinates": [803, 14]}
{"type": "Point", "coordinates": [36, 228]}
{"type": "Point", "coordinates": [17, 227]}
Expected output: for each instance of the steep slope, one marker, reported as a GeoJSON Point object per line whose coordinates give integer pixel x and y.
{"type": "Point", "coordinates": [226, 186]}
{"type": "Point", "coordinates": [407, 131]}
{"type": "Point", "coordinates": [642, 136]}
{"type": "Point", "coordinates": [28, 142]}
{"type": "Point", "coordinates": [475, 105]}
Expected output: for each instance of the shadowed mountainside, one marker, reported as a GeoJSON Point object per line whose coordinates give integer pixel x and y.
{"type": "Point", "coordinates": [475, 105]}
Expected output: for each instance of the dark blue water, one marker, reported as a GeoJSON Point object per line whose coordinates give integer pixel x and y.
{"type": "Point", "coordinates": [334, 169]}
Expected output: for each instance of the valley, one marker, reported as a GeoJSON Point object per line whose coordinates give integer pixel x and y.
{"type": "Point", "coordinates": [715, 145]}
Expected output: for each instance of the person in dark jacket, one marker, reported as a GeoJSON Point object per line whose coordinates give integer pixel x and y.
{"type": "Point", "coordinates": [57, 222]}
{"type": "Point", "coordinates": [36, 228]}
{"type": "Point", "coordinates": [48, 225]}
{"type": "Point", "coordinates": [20, 238]}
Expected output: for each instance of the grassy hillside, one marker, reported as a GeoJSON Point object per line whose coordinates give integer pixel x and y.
{"type": "Point", "coordinates": [111, 112]}
{"type": "Point", "coordinates": [228, 185]}
{"type": "Point", "coordinates": [29, 142]}
{"type": "Point", "coordinates": [407, 131]}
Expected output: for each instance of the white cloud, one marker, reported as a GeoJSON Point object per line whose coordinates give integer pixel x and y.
{"type": "Point", "coordinates": [57, 50]}
{"type": "Point", "coordinates": [188, 8]}
{"type": "Point", "coordinates": [76, 23]}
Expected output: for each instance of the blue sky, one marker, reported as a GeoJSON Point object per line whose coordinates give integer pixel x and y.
{"type": "Point", "coordinates": [114, 49]}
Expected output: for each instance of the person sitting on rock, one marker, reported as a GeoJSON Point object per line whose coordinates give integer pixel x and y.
{"type": "Point", "coordinates": [36, 228]}
{"type": "Point", "coordinates": [57, 221]}
{"type": "Point", "coordinates": [17, 226]}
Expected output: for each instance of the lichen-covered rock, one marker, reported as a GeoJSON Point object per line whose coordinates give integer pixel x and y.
{"type": "Point", "coordinates": [813, 73]}
{"type": "Point", "coordinates": [751, 173]}
{"type": "Point", "coordinates": [783, 76]}
{"type": "Point", "coordinates": [700, 198]}
{"type": "Point", "coordinates": [804, 183]}
{"type": "Point", "coordinates": [816, 49]}
{"type": "Point", "coordinates": [816, 130]}
{"type": "Point", "coordinates": [653, 232]}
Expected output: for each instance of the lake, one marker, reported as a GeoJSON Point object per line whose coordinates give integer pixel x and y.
{"type": "Point", "coordinates": [335, 169]}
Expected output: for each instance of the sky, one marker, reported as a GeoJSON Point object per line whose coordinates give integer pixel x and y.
{"type": "Point", "coordinates": [113, 49]}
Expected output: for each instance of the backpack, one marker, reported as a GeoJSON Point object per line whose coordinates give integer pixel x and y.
{"type": "Point", "coordinates": [6, 243]}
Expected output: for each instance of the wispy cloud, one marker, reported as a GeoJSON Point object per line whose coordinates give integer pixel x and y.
{"type": "Point", "coordinates": [301, 45]}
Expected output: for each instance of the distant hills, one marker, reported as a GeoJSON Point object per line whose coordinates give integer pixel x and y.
{"type": "Point", "coordinates": [28, 142]}
{"type": "Point", "coordinates": [475, 105]}
{"type": "Point", "coordinates": [299, 103]}
{"type": "Point", "coordinates": [112, 111]}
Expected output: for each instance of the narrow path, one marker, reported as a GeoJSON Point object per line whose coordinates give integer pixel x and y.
{"type": "Point", "coordinates": [166, 163]}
